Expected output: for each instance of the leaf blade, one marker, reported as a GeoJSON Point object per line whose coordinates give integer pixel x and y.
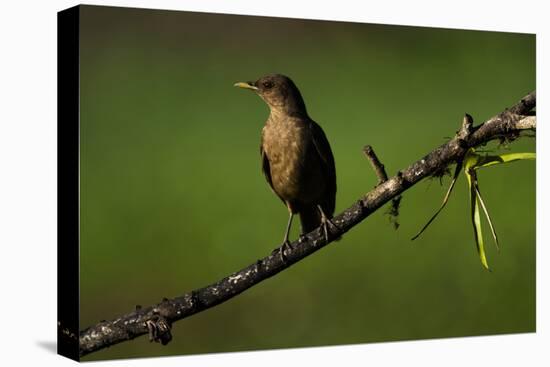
{"type": "Point", "coordinates": [475, 217]}
{"type": "Point", "coordinates": [486, 211]}
{"type": "Point", "coordinates": [491, 160]}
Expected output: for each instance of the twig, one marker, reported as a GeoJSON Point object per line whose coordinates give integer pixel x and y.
{"type": "Point", "coordinates": [146, 320]}
{"type": "Point", "coordinates": [377, 166]}
{"type": "Point", "coordinates": [380, 171]}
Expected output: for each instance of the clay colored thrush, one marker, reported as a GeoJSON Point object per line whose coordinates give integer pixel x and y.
{"type": "Point", "coordinates": [296, 157]}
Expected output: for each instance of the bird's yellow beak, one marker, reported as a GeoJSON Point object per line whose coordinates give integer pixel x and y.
{"type": "Point", "coordinates": [246, 85]}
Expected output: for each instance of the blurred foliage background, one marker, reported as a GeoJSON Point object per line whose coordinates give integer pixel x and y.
{"type": "Point", "coordinates": [172, 197]}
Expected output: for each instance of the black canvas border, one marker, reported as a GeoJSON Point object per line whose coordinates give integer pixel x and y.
{"type": "Point", "coordinates": [68, 192]}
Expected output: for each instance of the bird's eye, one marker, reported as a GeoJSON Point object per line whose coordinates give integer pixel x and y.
{"type": "Point", "coordinates": [268, 85]}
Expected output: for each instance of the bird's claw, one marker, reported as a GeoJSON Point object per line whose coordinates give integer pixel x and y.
{"type": "Point", "coordinates": [325, 223]}
{"type": "Point", "coordinates": [281, 250]}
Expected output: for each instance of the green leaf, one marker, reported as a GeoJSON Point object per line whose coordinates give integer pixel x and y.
{"type": "Point", "coordinates": [491, 160]}
{"type": "Point", "coordinates": [471, 159]}
{"type": "Point", "coordinates": [494, 233]}
{"type": "Point", "coordinates": [476, 220]}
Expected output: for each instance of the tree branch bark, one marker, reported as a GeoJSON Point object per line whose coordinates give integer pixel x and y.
{"type": "Point", "coordinates": [380, 172]}
{"type": "Point", "coordinates": [156, 320]}
{"type": "Point", "coordinates": [377, 166]}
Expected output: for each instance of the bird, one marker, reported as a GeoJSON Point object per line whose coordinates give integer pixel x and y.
{"type": "Point", "coordinates": [296, 157]}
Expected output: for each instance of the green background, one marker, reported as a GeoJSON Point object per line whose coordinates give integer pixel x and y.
{"type": "Point", "coordinates": [172, 196]}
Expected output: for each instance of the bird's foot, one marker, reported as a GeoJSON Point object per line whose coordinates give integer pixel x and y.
{"type": "Point", "coordinates": [325, 223]}
{"type": "Point", "coordinates": [281, 250]}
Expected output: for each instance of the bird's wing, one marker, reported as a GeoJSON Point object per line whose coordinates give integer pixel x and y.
{"type": "Point", "coordinates": [321, 143]}
{"type": "Point", "coordinates": [266, 169]}
{"type": "Point", "coordinates": [322, 147]}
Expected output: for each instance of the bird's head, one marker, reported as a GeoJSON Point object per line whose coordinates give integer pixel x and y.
{"type": "Point", "coordinates": [279, 92]}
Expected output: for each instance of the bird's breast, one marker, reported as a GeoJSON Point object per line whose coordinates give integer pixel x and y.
{"type": "Point", "coordinates": [293, 166]}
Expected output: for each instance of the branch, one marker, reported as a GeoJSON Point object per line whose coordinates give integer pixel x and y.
{"type": "Point", "coordinates": [156, 320]}
{"type": "Point", "coordinates": [380, 171]}
{"type": "Point", "coordinates": [377, 166]}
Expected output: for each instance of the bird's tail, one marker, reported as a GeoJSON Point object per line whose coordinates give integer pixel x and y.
{"type": "Point", "coordinates": [310, 218]}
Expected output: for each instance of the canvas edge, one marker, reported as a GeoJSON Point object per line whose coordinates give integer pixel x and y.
{"type": "Point", "coordinates": [68, 185]}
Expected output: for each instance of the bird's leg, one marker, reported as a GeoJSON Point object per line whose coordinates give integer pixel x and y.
{"type": "Point", "coordinates": [286, 243]}
{"type": "Point", "coordinates": [325, 222]}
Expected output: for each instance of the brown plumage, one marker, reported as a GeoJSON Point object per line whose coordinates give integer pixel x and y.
{"type": "Point", "coordinates": [296, 157]}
